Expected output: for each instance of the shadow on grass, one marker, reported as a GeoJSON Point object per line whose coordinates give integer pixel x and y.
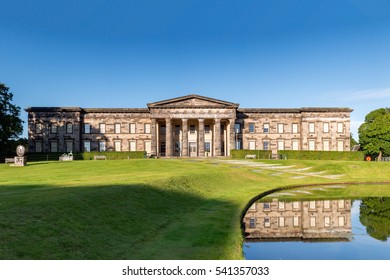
{"type": "Point", "coordinates": [113, 222]}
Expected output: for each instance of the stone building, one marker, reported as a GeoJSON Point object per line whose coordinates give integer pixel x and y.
{"type": "Point", "coordinates": [188, 126]}
{"type": "Point", "coordinates": [314, 219]}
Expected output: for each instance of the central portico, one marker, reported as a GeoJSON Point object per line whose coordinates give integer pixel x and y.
{"type": "Point", "coordinates": [192, 126]}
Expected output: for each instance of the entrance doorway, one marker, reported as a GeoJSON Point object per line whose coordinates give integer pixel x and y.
{"type": "Point", "coordinates": [193, 147]}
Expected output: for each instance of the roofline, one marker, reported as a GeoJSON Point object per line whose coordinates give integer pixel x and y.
{"type": "Point", "coordinates": [163, 102]}
{"type": "Point", "coordinates": [295, 110]}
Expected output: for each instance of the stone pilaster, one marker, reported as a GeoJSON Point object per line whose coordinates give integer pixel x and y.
{"type": "Point", "coordinates": [201, 137]}
{"type": "Point", "coordinates": [217, 137]}
{"type": "Point", "coordinates": [184, 147]}
{"type": "Point", "coordinates": [231, 140]}
{"type": "Point", "coordinates": [168, 138]}
{"type": "Point", "coordinates": [153, 131]}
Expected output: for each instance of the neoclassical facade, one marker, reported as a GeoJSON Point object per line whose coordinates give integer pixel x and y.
{"type": "Point", "coordinates": [188, 126]}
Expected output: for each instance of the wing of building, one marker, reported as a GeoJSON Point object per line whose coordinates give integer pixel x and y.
{"type": "Point", "coordinates": [188, 126]}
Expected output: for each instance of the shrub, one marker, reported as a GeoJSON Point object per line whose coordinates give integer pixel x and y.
{"type": "Point", "coordinates": [260, 154]}
{"type": "Point", "coordinates": [322, 155]}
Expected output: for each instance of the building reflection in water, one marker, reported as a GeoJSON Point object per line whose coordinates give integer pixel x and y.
{"type": "Point", "coordinates": [307, 220]}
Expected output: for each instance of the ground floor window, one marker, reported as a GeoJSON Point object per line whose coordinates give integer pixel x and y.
{"type": "Point", "coordinates": [252, 145]}
{"type": "Point", "coordinates": [148, 147]}
{"type": "Point", "coordinates": [207, 147]}
{"type": "Point", "coordinates": [265, 145]}
{"type": "Point", "coordinates": [54, 146]}
{"type": "Point", "coordinates": [117, 146]}
{"type": "Point", "coordinates": [340, 145]}
{"type": "Point", "coordinates": [267, 222]}
{"type": "Point", "coordinates": [312, 145]}
{"type": "Point", "coordinates": [295, 145]}
{"type": "Point", "coordinates": [132, 146]}
{"type": "Point", "coordinates": [38, 146]}
{"type": "Point", "coordinates": [326, 145]}
{"type": "Point", "coordinates": [326, 221]}
{"type": "Point", "coordinates": [87, 146]}
{"type": "Point", "coordinates": [252, 223]}
{"type": "Point", "coordinates": [296, 221]}
{"type": "Point", "coordinates": [69, 146]}
{"type": "Point", "coordinates": [280, 145]}
{"type": "Point", "coordinates": [102, 146]}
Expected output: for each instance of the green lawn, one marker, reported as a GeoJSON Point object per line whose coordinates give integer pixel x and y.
{"type": "Point", "coordinates": [148, 208]}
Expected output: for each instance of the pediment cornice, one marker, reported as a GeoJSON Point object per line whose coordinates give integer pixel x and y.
{"type": "Point", "coordinates": [192, 101]}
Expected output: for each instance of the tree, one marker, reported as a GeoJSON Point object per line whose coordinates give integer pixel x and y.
{"type": "Point", "coordinates": [10, 122]}
{"type": "Point", "coordinates": [375, 216]}
{"type": "Point", "coordinates": [374, 133]}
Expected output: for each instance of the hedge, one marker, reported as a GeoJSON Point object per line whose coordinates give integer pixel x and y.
{"type": "Point", "coordinates": [260, 154]}
{"type": "Point", "coordinates": [322, 155]}
{"type": "Point", "coordinates": [85, 155]}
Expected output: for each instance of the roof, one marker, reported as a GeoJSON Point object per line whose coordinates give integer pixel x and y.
{"type": "Point", "coordinates": [295, 110]}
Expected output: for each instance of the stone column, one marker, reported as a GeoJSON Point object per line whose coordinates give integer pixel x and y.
{"type": "Point", "coordinates": [217, 137]}
{"type": "Point", "coordinates": [168, 138]}
{"type": "Point", "coordinates": [231, 140]}
{"type": "Point", "coordinates": [153, 131]}
{"type": "Point", "coordinates": [184, 147]}
{"type": "Point", "coordinates": [201, 138]}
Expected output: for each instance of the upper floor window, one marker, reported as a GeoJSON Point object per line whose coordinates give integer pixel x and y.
{"type": "Point", "coordinates": [207, 129]}
{"type": "Point", "coordinates": [87, 128]}
{"type": "Point", "coordinates": [53, 128]}
{"type": "Point", "coordinates": [340, 127]}
{"type": "Point", "coordinates": [280, 128]}
{"type": "Point", "coordinates": [237, 128]}
{"type": "Point", "coordinates": [326, 127]}
{"type": "Point", "coordinates": [294, 128]}
{"type": "Point", "coordinates": [311, 128]}
{"type": "Point", "coordinates": [132, 128]}
{"type": "Point", "coordinates": [147, 128]}
{"type": "Point", "coordinates": [117, 128]}
{"type": "Point", "coordinates": [177, 129]}
{"type": "Point", "coordinates": [102, 128]}
{"type": "Point", "coordinates": [251, 128]}
{"type": "Point", "coordinates": [266, 128]}
{"type": "Point", "coordinates": [192, 129]}
{"type": "Point", "coordinates": [69, 128]}
{"type": "Point", "coordinates": [38, 128]}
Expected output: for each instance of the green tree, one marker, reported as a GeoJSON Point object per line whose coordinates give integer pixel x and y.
{"type": "Point", "coordinates": [10, 122]}
{"type": "Point", "coordinates": [375, 216]}
{"type": "Point", "coordinates": [374, 133]}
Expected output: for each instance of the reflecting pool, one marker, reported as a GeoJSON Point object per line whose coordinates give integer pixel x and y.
{"type": "Point", "coordinates": [341, 229]}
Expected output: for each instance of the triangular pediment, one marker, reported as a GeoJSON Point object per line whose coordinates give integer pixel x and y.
{"type": "Point", "coordinates": [192, 101]}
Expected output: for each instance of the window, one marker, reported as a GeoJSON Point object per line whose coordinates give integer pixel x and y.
{"type": "Point", "coordinates": [192, 129]}
{"type": "Point", "coordinates": [132, 146]}
{"type": "Point", "coordinates": [117, 146]}
{"type": "Point", "coordinates": [38, 146]}
{"type": "Point", "coordinates": [207, 147]}
{"type": "Point", "coordinates": [294, 128]}
{"type": "Point", "coordinates": [87, 146]}
{"type": "Point", "coordinates": [87, 128]}
{"type": "Point", "coordinates": [53, 146]}
{"type": "Point", "coordinates": [341, 204]}
{"type": "Point", "coordinates": [238, 145]}
{"type": "Point", "coordinates": [38, 128]}
{"type": "Point", "coordinates": [53, 128]}
{"type": "Point", "coordinates": [281, 205]}
{"type": "Point", "coordinates": [340, 145]}
{"type": "Point", "coordinates": [69, 128]}
{"type": "Point", "coordinates": [251, 128]}
{"type": "Point", "coordinates": [267, 222]}
{"type": "Point", "coordinates": [207, 129]}
{"type": "Point", "coordinates": [266, 128]}
{"type": "Point", "coordinates": [266, 206]}
{"type": "Point", "coordinates": [102, 146]}
{"type": "Point", "coordinates": [326, 204]}
{"type": "Point", "coordinates": [237, 128]}
{"type": "Point", "coordinates": [69, 146]}
{"type": "Point", "coordinates": [132, 128]}
{"type": "Point", "coordinates": [280, 145]}
{"type": "Point", "coordinates": [148, 147]}
{"type": "Point", "coordinates": [326, 145]}
{"type": "Point", "coordinates": [295, 145]}
{"type": "Point", "coordinates": [280, 128]}
{"type": "Point", "coordinates": [311, 128]}
{"type": "Point", "coordinates": [341, 221]}
{"type": "Point", "coordinates": [296, 221]}
{"type": "Point", "coordinates": [340, 127]}
{"type": "Point", "coordinates": [117, 128]}
{"type": "Point", "coordinates": [312, 145]}
{"type": "Point", "coordinates": [147, 128]}
{"type": "Point", "coordinates": [163, 128]}
{"type": "Point", "coordinates": [312, 221]}
{"type": "Point", "coordinates": [252, 223]}
{"type": "Point", "coordinates": [296, 205]}
{"type": "Point", "coordinates": [253, 207]}
{"type": "Point", "coordinates": [252, 145]}
{"type": "Point", "coordinates": [326, 127]}
{"type": "Point", "coordinates": [326, 221]}
{"type": "Point", "coordinates": [281, 221]}
{"type": "Point", "coordinates": [177, 129]}
{"type": "Point", "coordinates": [265, 145]}
{"type": "Point", "coordinates": [102, 128]}
{"type": "Point", "coordinates": [312, 205]}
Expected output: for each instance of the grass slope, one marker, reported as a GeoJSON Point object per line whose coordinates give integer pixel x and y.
{"type": "Point", "coordinates": [145, 209]}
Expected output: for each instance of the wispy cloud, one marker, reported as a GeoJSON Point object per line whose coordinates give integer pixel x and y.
{"type": "Point", "coordinates": [371, 94]}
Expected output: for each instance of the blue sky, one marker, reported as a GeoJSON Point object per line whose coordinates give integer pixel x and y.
{"type": "Point", "coordinates": [259, 53]}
